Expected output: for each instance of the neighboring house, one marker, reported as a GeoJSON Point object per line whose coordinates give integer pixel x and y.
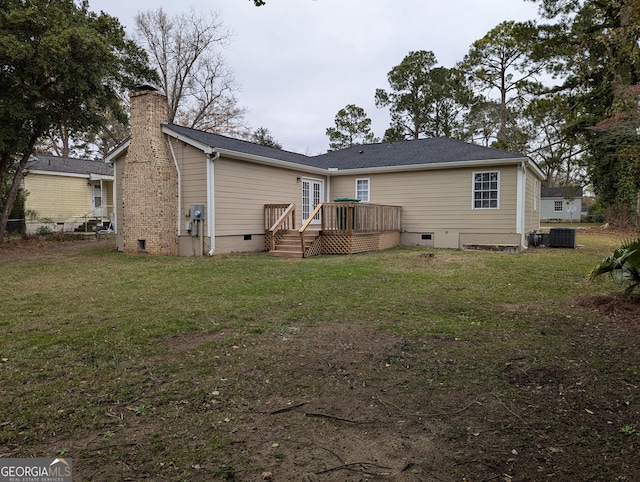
{"type": "Point", "coordinates": [65, 193]}
{"type": "Point", "coordinates": [181, 191]}
{"type": "Point", "coordinates": [561, 203]}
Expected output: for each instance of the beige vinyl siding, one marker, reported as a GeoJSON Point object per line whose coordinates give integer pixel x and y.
{"type": "Point", "coordinates": [192, 163]}
{"type": "Point", "coordinates": [242, 189]}
{"type": "Point", "coordinates": [60, 198]}
{"type": "Point", "coordinates": [118, 167]}
{"type": "Point", "coordinates": [439, 200]}
{"type": "Point", "coordinates": [192, 166]}
{"type": "Point", "coordinates": [532, 209]}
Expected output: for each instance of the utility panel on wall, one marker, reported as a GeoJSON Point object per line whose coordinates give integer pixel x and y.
{"type": "Point", "coordinates": [197, 212]}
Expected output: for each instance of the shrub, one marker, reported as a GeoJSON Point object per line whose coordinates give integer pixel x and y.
{"type": "Point", "coordinates": [596, 213]}
{"type": "Point", "coordinates": [623, 265]}
{"type": "Point", "coordinates": [43, 230]}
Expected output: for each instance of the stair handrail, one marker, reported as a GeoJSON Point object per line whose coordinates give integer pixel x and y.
{"type": "Point", "coordinates": [306, 224]}
{"type": "Point", "coordinates": [289, 212]}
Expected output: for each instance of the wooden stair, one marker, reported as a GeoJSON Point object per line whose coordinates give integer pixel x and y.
{"type": "Point", "coordinates": [290, 246]}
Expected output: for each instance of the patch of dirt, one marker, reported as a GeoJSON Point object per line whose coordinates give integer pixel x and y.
{"type": "Point", "coordinates": [354, 402]}
{"type": "Point", "coordinates": [333, 416]}
{"type": "Point", "coordinates": [621, 233]}
{"type": "Point", "coordinates": [55, 244]}
{"type": "Point", "coordinates": [613, 306]}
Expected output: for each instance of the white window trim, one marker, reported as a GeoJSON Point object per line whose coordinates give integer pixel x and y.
{"type": "Point", "coordinates": [555, 206]}
{"type": "Point", "coordinates": [368, 188]}
{"type": "Point", "coordinates": [473, 191]}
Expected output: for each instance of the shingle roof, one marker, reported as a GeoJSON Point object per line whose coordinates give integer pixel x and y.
{"type": "Point", "coordinates": [561, 191]}
{"type": "Point", "coordinates": [407, 153]}
{"type": "Point", "coordinates": [43, 162]}
{"type": "Point", "coordinates": [388, 154]}
{"type": "Point", "coordinates": [237, 145]}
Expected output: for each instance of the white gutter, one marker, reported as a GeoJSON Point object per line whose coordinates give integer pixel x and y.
{"type": "Point", "coordinates": [175, 163]}
{"type": "Point", "coordinates": [187, 140]}
{"type": "Point", "coordinates": [114, 221]}
{"type": "Point", "coordinates": [207, 149]}
{"type": "Point", "coordinates": [427, 167]}
{"type": "Point", "coordinates": [117, 151]}
{"type": "Point", "coordinates": [332, 171]}
{"type": "Point", "coordinates": [100, 177]}
{"type": "Point", "coordinates": [211, 211]}
{"type": "Point", "coordinates": [91, 177]}
{"type": "Point", "coordinates": [273, 162]}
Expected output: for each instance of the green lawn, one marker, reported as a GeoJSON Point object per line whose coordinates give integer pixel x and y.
{"type": "Point", "coordinates": [101, 302]}
{"type": "Point", "coordinates": [87, 335]}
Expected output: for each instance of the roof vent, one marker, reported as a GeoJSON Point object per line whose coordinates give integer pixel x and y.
{"type": "Point", "coordinates": [361, 152]}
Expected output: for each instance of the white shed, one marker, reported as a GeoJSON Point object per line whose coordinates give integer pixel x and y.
{"type": "Point", "coordinates": [560, 203]}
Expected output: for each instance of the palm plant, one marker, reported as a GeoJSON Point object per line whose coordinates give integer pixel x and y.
{"type": "Point", "coordinates": [623, 265]}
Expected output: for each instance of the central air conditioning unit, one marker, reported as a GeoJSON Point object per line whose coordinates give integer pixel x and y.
{"type": "Point", "coordinates": [562, 238]}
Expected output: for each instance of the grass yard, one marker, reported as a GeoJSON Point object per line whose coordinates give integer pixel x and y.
{"type": "Point", "coordinates": [404, 365]}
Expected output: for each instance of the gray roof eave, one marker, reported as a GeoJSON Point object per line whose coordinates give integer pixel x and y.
{"type": "Point", "coordinates": [271, 162]}
{"type": "Point", "coordinates": [210, 150]}
{"type": "Point", "coordinates": [429, 167]}
{"type": "Point", "coordinates": [90, 176]}
{"type": "Point", "coordinates": [51, 165]}
{"type": "Point", "coordinates": [327, 170]}
{"type": "Point", "coordinates": [207, 149]}
{"type": "Point", "coordinates": [117, 151]}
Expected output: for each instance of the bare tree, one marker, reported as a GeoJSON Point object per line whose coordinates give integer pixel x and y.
{"type": "Point", "coordinates": [185, 49]}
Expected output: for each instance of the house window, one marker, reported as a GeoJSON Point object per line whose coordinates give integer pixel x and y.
{"type": "Point", "coordinates": [485, 190]}
{"type": "Point", "coordinates": [557, 206]}
{"type": "Point", "coordinates": [362, 190]}
{"type": "Point", "coordinates": [97, 195]}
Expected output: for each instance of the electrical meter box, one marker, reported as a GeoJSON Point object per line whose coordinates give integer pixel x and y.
{"type": "Point", "coordinates": [197, 212]}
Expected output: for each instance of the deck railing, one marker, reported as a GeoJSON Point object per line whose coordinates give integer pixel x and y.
{"type": "Point", "coordinates": [360, 218]}
{"type": "Point", "coordinates": [303, 229]}
{"type": "Point", "coordinates": [344, 219]}
{"type": "Point", "coordinates": [278, 218]}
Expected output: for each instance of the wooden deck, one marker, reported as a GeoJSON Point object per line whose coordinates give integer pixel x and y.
{"type": "Point", "coordinates": [345, 228]}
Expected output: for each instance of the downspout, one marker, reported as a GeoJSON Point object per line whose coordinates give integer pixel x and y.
{"type": "Point", "coordinates": [114, 221]}
{"type": "Point", "coordinates": [212, 157]}
{"type": "Point", "coordinates": [175, 163]}
{"type": "Point", "coordinates": [521, 203]}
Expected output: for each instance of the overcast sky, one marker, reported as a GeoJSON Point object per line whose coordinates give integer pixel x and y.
{"type": "Point", "coordinates": [298, 62]}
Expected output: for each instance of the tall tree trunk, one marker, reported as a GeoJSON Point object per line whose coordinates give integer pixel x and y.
{"type": "Point", "coordinates": [15, 187]}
